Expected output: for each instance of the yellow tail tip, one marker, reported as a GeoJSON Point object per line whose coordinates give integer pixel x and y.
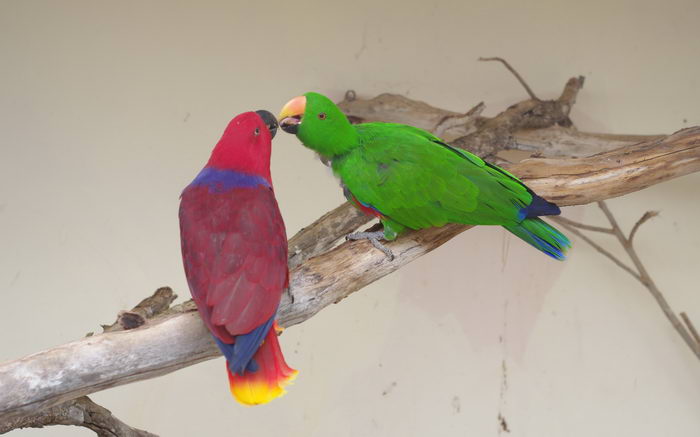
{"type": "Point", "coordinates": [253, 390]}
{"type": "Point", "coordinates": [270, 378]}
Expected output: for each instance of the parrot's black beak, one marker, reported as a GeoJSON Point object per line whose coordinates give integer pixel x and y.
{"type": "Point", "coordinates": [269, 120]}
{"type": "Point", "coordinates": [290, 124]}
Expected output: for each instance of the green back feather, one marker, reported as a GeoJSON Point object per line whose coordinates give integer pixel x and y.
{"type": "Point", "coordinates": [417, 180]}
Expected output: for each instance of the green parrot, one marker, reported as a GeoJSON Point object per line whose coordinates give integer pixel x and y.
{"type": "Point", "coordinates": [411, 179]}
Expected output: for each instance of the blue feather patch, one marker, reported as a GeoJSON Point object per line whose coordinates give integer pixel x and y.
{"type": "Point", "coordinates": [220, 181]}
{"type": "Point", "coordinates": [538, 207]}
{"type": "Point", "coordinates": [240, 354]}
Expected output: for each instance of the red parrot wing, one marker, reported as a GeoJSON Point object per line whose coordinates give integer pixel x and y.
{"type": "Point", "coordinates": [234, 248]}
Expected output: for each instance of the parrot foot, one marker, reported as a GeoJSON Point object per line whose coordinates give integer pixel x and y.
{"type": "Point", "coordinates": [373, 238]}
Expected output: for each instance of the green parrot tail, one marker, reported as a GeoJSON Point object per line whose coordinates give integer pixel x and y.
{"type": "Point", "coordinates": [539, 234]}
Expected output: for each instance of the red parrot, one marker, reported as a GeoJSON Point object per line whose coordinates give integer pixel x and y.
{"type": "Point", "coordinates": [234, 250]}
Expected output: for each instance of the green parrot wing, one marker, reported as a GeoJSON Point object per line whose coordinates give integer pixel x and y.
{"type": "Point", "coordinates": [415, 179]}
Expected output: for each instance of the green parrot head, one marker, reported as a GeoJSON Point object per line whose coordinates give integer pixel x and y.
{"type": "Point", "coordinates": [319, 124]}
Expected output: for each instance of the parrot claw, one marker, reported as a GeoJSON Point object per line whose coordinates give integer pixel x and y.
{"type": "Point", "coordinates": [387, 252]}
{"type": "Point", "coordinates": [373, 238]}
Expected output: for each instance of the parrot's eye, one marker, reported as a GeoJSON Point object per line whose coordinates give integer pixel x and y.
{"type": "Point", "coordinates": [256, 131]}
{"type": "Point", "coordinates": [322, 115]}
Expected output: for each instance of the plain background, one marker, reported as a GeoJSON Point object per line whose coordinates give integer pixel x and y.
{"type": "Point", "coordinates": [108, 109]}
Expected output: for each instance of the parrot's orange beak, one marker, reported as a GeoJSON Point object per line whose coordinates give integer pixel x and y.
{"type": "Point", "coordinates": [291, 114]}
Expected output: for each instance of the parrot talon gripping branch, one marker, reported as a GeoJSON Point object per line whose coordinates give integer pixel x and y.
{"type": "Point", "coordinates": [373, 238]}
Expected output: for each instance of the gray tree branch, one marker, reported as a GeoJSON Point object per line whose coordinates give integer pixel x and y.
{"type": "Point", "coordinates": [647, 281]}
{"type": "Point", "coordinates": [686, 331]}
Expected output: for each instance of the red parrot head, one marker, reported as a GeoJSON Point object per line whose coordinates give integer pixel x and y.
{"type": "Point", "coordinates": [246, 144]}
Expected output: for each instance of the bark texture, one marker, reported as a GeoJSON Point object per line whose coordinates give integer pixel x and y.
{"type": "Point", "coordinates": [77, 412]}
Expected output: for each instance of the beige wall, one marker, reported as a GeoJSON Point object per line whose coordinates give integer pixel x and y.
{"type": "Point", "coordinates": [108, 109]}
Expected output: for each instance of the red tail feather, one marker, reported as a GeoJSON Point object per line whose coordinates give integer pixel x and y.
{"type": "Point", "coordinates": [268, 382]}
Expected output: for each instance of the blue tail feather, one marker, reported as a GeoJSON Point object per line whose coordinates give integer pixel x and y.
{"type": "Point", "coordinates": [544, 237]}
{"type": "Point", "coordinates": [240, 354]}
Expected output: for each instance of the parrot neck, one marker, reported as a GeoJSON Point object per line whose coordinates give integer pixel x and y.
{"type": "Point", "coordinates": [333, 143]}
{"type": "Point", "coordinates": [254, 164]}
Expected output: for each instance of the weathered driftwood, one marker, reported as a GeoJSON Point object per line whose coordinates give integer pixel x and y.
{"type": "Point", "coordinates": [50, 377]}
{"type": "Point", "coordinates": [77, 412]}
{"type": "Point", "coordinates": [497, 132]}
{"type": "Point", "coordinates": [324, 232]}
{"type": "Point", "coordinates": [615, 173]}
{"type": "Point", "coordinates": [559, 142]}
{"type": "Point", "coordinates": [552, 140]}
{"type": "Point", "coordinates": [150, 307]}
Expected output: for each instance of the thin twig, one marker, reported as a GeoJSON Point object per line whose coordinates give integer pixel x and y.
{"type": "Point", "coordinates": [595, 245]}
{"type": "Point", "coordinates": [647, 215]}
{"type": "Point", "coordinates": [691, 327]}
{"type": "Point", "coordinates": [645, 279]}
{"type": "Point", "coordinates": [450, 121]}
{"type": "Point", "coordinates": [515, 73]}
{"type": "Point", "coordinates": [584, 226]}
